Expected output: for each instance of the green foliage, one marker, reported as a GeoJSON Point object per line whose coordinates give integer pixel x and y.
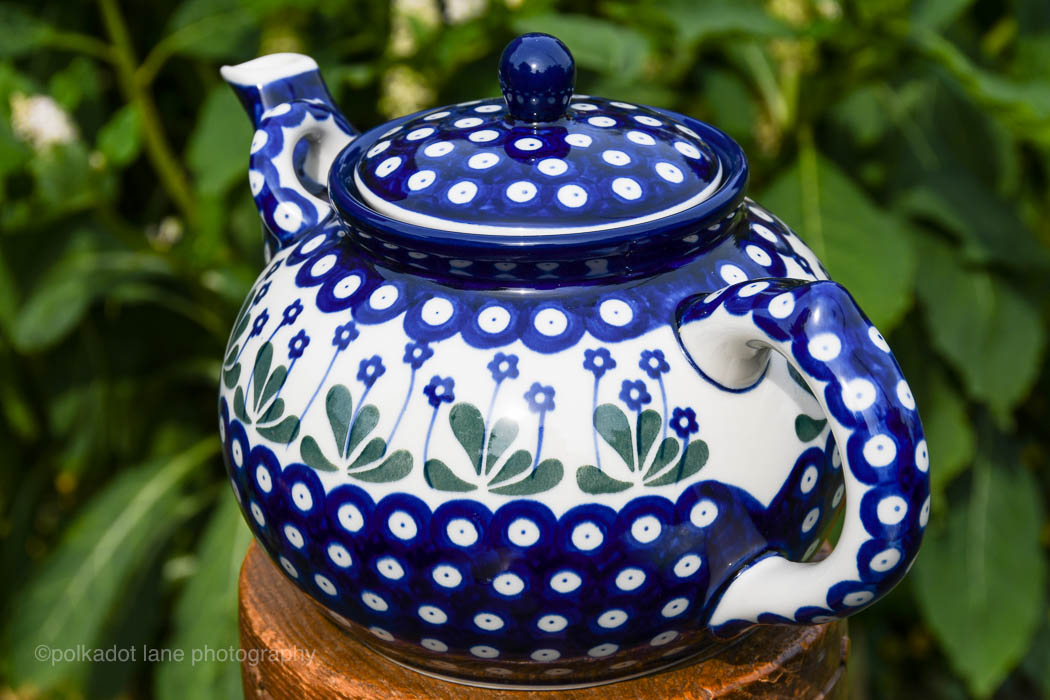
{"type": "Point", "coordinates": [907, 142]}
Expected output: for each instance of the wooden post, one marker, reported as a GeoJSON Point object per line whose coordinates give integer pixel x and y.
{"type": "Point", "coordinates": [278, 623]}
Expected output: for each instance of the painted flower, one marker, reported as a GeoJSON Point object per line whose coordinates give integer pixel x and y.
{"type": "Point", "coordinates": [260, 322]}
{"type": "Point", "coordinates": [416, 354]}
{"type": "Point", "coordinates": [297, 344]}
{"type": "Point", "coordinates": [439, 390]}
{"type": "Point", "coordinates": [598, 361]}
{"type": "Point", "coordinates": [261, 293]}
{"type": "Point", "coordinates": [345, 334]}
{"type": "Point", "coordinates": [503, 367]}
{"type": "Point", "coordinates": [653, 363]}
{"type": "Point", "coordinates": [370, 370]}
{"type": "Point", "coordinates": [540, 398]}
{"type": "Point", "coordinates": [634, 394]}
{"type": "Point", "coordinates": [291, 312]}
{"type": "Point", "coordinates": [683, 422]}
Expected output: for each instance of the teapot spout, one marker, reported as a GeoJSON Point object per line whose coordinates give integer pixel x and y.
{"type": "Point", "coordinates": [298, 133]}
{"type": "Point", "coordinates": [267, 81]}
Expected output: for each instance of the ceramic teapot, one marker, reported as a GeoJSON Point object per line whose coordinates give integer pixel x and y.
{"type": "Point", "coordinates": [530, 393]}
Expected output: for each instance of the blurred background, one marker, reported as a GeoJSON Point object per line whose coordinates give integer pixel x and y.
{"type": "Point", "coordinates": [907, 141]}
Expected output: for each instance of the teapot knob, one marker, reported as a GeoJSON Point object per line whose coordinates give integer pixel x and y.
{"type": "Point", "coordinates": [537, 75]}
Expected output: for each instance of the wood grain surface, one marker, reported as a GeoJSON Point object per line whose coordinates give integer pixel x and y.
{"type": "Point", "coordinates": [280, 626]}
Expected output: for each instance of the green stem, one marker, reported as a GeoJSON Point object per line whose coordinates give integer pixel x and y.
{"type": "Point", "coordinates": [160, 153]}
{"type": "Point", "coordinates": [81, 43]}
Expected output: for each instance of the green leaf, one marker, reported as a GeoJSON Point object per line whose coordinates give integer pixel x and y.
{"type": "Point", "coordinates": [260, 371]}
{"type": "Point", "coordinates": [440, 477]}
{"type": "Point", "coordinates": [364, 424]}
{"type": "Point", "coordinates": [314, 457]}
{"type": "Point", "coordinates": [946, 423]}
{"type": "Point", "coordinates": [991, 334]}
{"type": "Point", "coordinates": [1037, 662]}
{"type": "Point", "coordinates": [502, 435]}
{"type": "Point", "coordinates": [807, 428]}
{"type": "Point", "coordinates": [372, 451]}
{"type": "Point", "coordinates": [284, 432]}
{"type": "Point", "coordinates": [516, 464]}
{"type": "Point", "coordinates": [935, 14]}
{"type": "Point", "coordinates": [273, 384]}
{"type": "Point", "coordinates": [692, 461]}
{"type": "Point", "coordinates": [592, 480]}
{"type": "Point", "coordinates": [863, 113]}
{"type": "Point", "coordinates": [648, 428]}
{"type": "Point", "coordinates": [612, 425]}
{"type": "Point", "coordinates": [54, 308]}
{"type": "Point", "coordinates": [210, 29]}
{"type": "Point", "coordinates": [469, 429]}
{"type": "Point", "coordinates": [395, 467]}
{"type": "Point", "coordinates": [340, 407]}
{"type": "Point", "coordinates": [664, 456]}
{"type": "Point", "coordinates": [238, 405]}
{"type": "Point", "coordinates": [217, 153]}
{"type": "Point", "coordinates": [79, 81]}
{"type": "Point", "coordinates": [545, 476]}
{"type": "Point", "coordinates": [984, 570]}
{"type": "Point", "coordinates": [696, 21]}
{"type": "Point", "coordinates": [597, 44]}
{"type": "Point", "coordinates": [273, 412]}
{"type": "Point", "coordinates": [206, 613]}
{"type": "Point", "coordinates": [22, 33]}
{"type": "Point", "coordinates": [865, 248]}
{"type": "Point", "coordinates": [231, 375]}
{"type": "Point", "coordinates": [68, 599]}
{"type": "Point", "coordinates": [120, 139]}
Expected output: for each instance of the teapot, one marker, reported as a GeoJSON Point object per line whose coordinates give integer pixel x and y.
{"type": "Point", "coordinates": [530, 393]}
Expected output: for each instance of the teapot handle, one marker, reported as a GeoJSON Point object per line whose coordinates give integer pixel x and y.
{"type": "Point", "coordinates": [286, 206]}
{"type": "Point", "coordinates": [847, 364]}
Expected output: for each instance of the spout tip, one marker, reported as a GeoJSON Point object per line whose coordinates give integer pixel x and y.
{"type": "Point", "coordinates": [267, 69]}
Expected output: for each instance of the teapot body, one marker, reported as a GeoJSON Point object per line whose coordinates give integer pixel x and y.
{"type": "Point", "coordinates": [473, 479]}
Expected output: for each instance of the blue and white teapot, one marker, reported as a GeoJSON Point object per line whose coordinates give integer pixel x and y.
{"type": "Point", "coordinates": [530, 393]}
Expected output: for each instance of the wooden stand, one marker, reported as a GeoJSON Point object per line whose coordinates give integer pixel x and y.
{"type": "Point", "coordinates": [277, 622]}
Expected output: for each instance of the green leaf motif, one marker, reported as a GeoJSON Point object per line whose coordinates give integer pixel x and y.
{"type": "Point", "coordinates": [273, 384]}
{"type": "Point", "coordinates": [260, 372]}
{"type": "Point", "coordinates": [231, 375]}
{"type": "Point", "coordinates": [612, 425]}
{"type": "Point", "coordinates": [664, 456]}
{"type": "Point", "coordinates": [339, 406]}
{"type": "Point", "coordinates": [284, 432]}
{"type": "Point", "coordinates": [984, 569]}
{"type": "Point", "coordinates": [372, 451]}
{"type": "Point", "coordinates": [440, 477]}
{"type": "Point", "coordinates": [864, 247]}
{"type": "Point", "coordinates": [808, 428]}
{"type": "Point", "coordinates": [501, 436]}
{"type": "Point", "coordinates": [648, 428]}
{"type": "Point", "coordinates": [516, 464]}
{"type": "Point", "coordinates": [314, 457]}
{"type": "Point", "coordinates": [238, 406]}
{"type": "Point", "coordinates": [364, 424]}
{"type": "Point", "coordinates": [544, 477]}
{"type": "Point", "coordinates": [273, 412]}
{"type": "Point", "coordinates": [469, 429]}
{"type": "Point", "coordinates": [592, 480]}
{"type": "Point", "coordinates": [692, 461]}
{"type": "Point", "coordinates": [395, 467]}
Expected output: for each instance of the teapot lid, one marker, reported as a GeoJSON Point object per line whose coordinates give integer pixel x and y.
{"type": "Point", "coordinates": [540, 160]}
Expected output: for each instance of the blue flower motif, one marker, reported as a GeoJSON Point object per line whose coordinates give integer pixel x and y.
{"type": "Point", "coordinates": [416, 354]}
{"type": "Point", "coordinates": [503, 366]}
{"type": "Point", "coordinates": [297, 344]}
{"type": "Point", "coordinates": [291, 312]}
{"type": "Point", "coordinates": [370, 370]}
{"type": "Point", "coordinates": [653, 363]}
{"type": "Point", "coordinates": [540, 398]}
{"type": "Point", "coordinates": [261, 293]}
{"type": "Point", "coordinates": [439, 390]}
{"type": "Point", "coordinates": [634, 394]}
{"type": "Point", "coordinates": [598, 361]}
{"type": "Point", "coordinates": [344, 335]}
{"type": "Point", "coordinates": [683, 422]}
{"type": "Point", "coordinates": [260, 322]}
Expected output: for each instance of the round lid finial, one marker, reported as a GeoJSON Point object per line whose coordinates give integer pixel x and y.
{"type": "Point", "coordinates": [537, 75]}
